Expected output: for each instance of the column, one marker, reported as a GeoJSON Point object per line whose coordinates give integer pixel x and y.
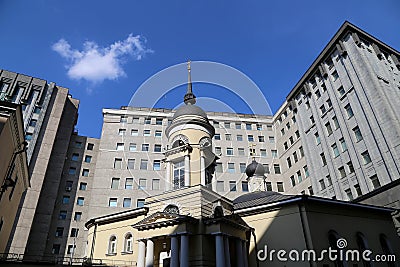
{"type": "Point", "coordinates": [219, 251]}
{"type": "Point", "coordinates": [149, 253]}
{"type": "Point", "coordinates": [174, 251]}
{"type": "Point", "coordinates": [202, 168]}
{"type": "Point", "coordinates": [168, 182]}
{"type": "Point", "coordinates": [184, 250]}
{"type": "Point", "coordinates": [245, 254]}
{"type": "Point", "coordinates": [141, 253]}
{"type": "Point", "coordinates": [227, 253]}
{"type": "Point", "coordinates": [187, 171]}
{"type": "Point", "coordinates": [239, 251]}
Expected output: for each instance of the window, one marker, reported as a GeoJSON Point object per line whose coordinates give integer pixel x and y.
{"type": "Point", "coordinates": [127, 202]}
{"type": "Point", "coordinates": [216, 124]}
{"type": "Point", "coordinates": [250, 138]}
{"type": "Point", "coordinates": [231, 167]}
{"type": "Point", "coordinates": [121, 131]}
{"type": "Point", "coordinates": [112, 202]}
{"type": "Point", "coordinates": [342, 172]}
{"type": "Point", "coordinates": [62, 215]}
{"type": "Point", "coordinates": [80, 201]}
{"type": "Point", "coordinates": [142, 184]}
{"type": "Point", "coordinates": [335, 150]}
{"type": "Point", "coordinates": [274, 154]}
{"type": "Point", "coordinates": [271, 139]}
{"type": "Point", "coordinates": [294, 119]}
{"type": "Point", "coordinates": [229, 151]}
{"type": "Point", "coordinates": [241, 151]}
{"type": "Point", "coordinates": [322, 184]}
{"type": "Point", "coordinates": [358, 190]}
{"type": "Point", "coordinates": [232, 186]}
{"type": "Point", "coordinates": [285, 145]}
{"type": "Point", "coordinates": [220, 186]}
{"type": "Point", "coordinates": [128, 243]}
{"type": "Point", "coordinates": [90, 146]}
{"type": "Point", "coordinates": [269, 186]}
{"type": "Point", "coordinates": [120, 147]}
{"type": "Point", "coordinates": [129, 183]}
{"type": "Point", "coordinates": [317, 94]}
{"type": "Point", "coordinates": [328, 128]}
{"type": "Point", "coordinates": [68, 186]}
{"type": "Point", "coordinates": [329, 103]}
{"type": "Point", "coordinates": [131, 164]}
{"type": "Point", "coordinates": [301, 151]}
{"type": "Point", "coordinates": [317, 139]}
{"type": "Point", "coordinates": [147, 121]}
{"type": "Point", "coordinates": [349, 194]}
{"type": "Point", "coordinates": [366, 158]}
{"type": "Point", "coordinates": [75, 157]}
{"type": "Point", "coordinates": [277, 169]}
{"type": "Point", "coordinates": [135, 120]}
{"type": "Point", "coordinates": [307, 105]}
{"type": "Point", "coordinates": [266, 168]}
{"type": "Point", "coordinates": [114, 183]}
{"type": "Point", "coordinates": [310, 191]}
{"type": "Point", "coordinates": [329, 179]}
{"type": "Point", "coordinates": [242, 167]}
{"type": "Point", "coordinates": [357, 134]}
{"type": "Point", "coordinates": [227, 125]}
{"type": "Point", "coordinates": [132, 147]}
{"type": "Point", "coordinates": [88, 159]}
{"type": "Point", "coordinates": [228, 137]}
{"type": "Point", "coordinates": [299, 177]}
{"type": "Point", "coordinates": [117, 163]}
{"type": "Point", "coordinates": [55, 249]}
{"type": "Point", "coordinates": [343, 145]}
{"type": "Point", "coordinates": [78, 216]}
{"type": "Point", "coordinates": [297, 134]}
{"type": "Point", "coordinates": [78, 144]}
{"type": "Point", "coordinates": [146, 133]}
{"type": "Point", "coordinates": [134, 132]}
{"type": "Point", "coordinates": [74, 232]}
{"type": "Point", "coordinates": [179, 175]}
{"type": "Point", "coordinates": [123, 119]}
{"type": "Point", "coordinates": [259, 127]}
{"type": "Point", "coordinates": [140, 203]}
{"type": "Point", "coordinates": [292, 180]}
{"type": "Point", "coordinates": [157, 148]}
{"type": "Point", "coordinates": [238, 125]}
{"type": "Point", "coordinates": [263, 152]}
{"type": "Point", "coordinates": [282, 132]}
{"type": "Point", "coordinates": [112, 245]}
{"type": "Point", "coordinates": [65, 199]}
{"type": "Point", "coordinates": [72, 171]}
{"type": "Point", "coordinates": [245, 186]}
{"type": "Point", "coordinates": [350, 166]}
{"type": "Point", "coordinates": [335, 75]}
{"type": "Point", "coordinates": [312, 119]}
{"type": "Point", "coordinates": [349, 111]}
{"type": "Point", "coordinates": [291, 140]}
{"type": "Point", "coordinates": [306, 172]}
{"type": "Point", "coordinates": [261, 138]}
{"type": "Point", "coordinates": [218, 150]}
{"type": "Point", "coordinates": [158, 133]}
{"type": "Point", "coordinates": [289, 162]}
{"type": "Point", "coordinates": [145, 147]}
{"type": "Point", "coordinates": [335, 122]}
{"type": "Point", "coordinates": [85, 172]}
{"type": "Point", "coordinates": [323, 109]}
{"type": "Point", "coordinates": [248, 126]}
{"type": "Point", "coordinates": [159, 121]}
{"type": "Point", "coordinates": [323, 159]}
{"type": "Point", "coordinates": [218, 167]}
{"type": "Point", "coordinates": [156, 165]}
{"type": "Point", "coordinates": [217, 137]}
{"type": "Point", "coordinates": [375, 181]}
{"type": "Point", "coordinates": [37, 110]}
{"type": "Point", "coordinates": [295, 156]}
{"type": "Point", "coordinates": [239, 137]}
{"type": "Point", "coordinates": [280, 186]}
{"type": "Point", "coordinates": [155, 184]}
{"type": "Point", "coordinates": [341, 91]}
{"type": "Point", "coordinates": [82, 186]}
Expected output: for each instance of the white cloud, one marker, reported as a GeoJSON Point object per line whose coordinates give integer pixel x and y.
{"type": "Point", "coordinates": [96, 64]}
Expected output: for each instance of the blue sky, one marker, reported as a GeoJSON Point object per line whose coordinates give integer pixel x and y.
{"type": "Point", "coordinates": [103, 50]}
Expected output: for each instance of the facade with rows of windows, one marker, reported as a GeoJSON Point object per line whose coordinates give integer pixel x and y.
{"type": "Point", "coordinates": [336, 136]}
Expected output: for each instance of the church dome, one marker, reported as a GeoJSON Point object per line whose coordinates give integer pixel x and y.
{"type": "Point", "coordinates": [255, 168]}
{"type": "Point", "coordinates": [189, 110]}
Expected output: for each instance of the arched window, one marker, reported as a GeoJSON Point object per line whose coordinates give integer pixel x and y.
{"type": "Point", "coordinates": [112, 245]}
{"type": "Point", "coordinates": [362, 246]}
{"type": "Point", "coordinates": [333, 238]}
{"type": "Point", "coordinates": [128, 242]}
{"type": "Point", "coordinates": [179, 175]}
{"type": "Point", "coordinates": [387, 248]}
{"type": "Point", "coordinates": [218, 212]}
{"type": "Point", "coordinates": [172, 209]}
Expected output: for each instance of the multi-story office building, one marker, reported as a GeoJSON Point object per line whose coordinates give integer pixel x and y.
{"type": "Point", "coordinates": [49, 117]}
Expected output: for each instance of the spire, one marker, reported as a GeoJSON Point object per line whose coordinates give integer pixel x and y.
{"type": "Point", "coordinates": [189, 98]}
